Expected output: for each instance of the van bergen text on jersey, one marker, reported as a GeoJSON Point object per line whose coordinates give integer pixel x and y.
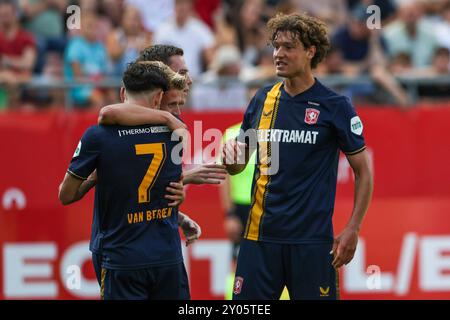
{"type": "Point", "coordinates": [149, 215]}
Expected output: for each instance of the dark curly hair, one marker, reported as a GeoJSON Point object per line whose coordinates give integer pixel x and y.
{"type": "Point", "coordinates": [308, 30]}
{"type": "Point", "coordinates": [159, 52]}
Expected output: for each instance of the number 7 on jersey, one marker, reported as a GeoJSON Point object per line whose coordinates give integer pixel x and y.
{"type": "Point", "coordinates": [159, 156]}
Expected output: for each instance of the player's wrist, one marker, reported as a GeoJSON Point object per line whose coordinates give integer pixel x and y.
{"type": "Point", "coordinates": [187, 178]}
{"type": "Point", "coordinates": [353, 228]}
{"type": "Point", "coordinates": [182, 218]}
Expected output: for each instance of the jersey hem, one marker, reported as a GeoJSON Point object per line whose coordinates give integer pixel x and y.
{"type": "Point", "coordinates": [356, 151]}
{"type": "Point", "coordinates": [75, 175]}
{"type": "Point", "coordinates": [140, 266]}
{"type": "Point", "coordinates": [293, 241]}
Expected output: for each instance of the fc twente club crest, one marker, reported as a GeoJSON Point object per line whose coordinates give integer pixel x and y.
{"type": "Point", "coordinates": [311, 116]}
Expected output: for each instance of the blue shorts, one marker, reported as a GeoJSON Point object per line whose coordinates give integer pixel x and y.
{"type": "Point", "coordinates": [153, 283]}
{"type": "Point", "coordinates": [264, 269]}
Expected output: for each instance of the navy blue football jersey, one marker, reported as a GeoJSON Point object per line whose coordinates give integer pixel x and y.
{"type": "Point", "coordinates": [133, 226]}
{"type": "Point", "coordinates": [299, 138]}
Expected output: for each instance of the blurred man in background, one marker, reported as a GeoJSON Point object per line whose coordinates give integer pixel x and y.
{"type": "Point", "coordinates": [86, 59]}
{"type": "Point", "coordinates": [191, 34]}
{"type": "Point", "coordinates": [17, 53]}
{"type": "Point", "coordinates": [363, 52]}
{"type": "Point", "coordinates": [126, 42]}
{"type": "Point", "coordinates": [412, 34]}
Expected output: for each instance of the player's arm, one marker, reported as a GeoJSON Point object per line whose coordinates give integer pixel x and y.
{"type": "Point", "coordinates": [190, 228]}
{"type": "Point", "coordinates": [73, 188]}
{"type": "Point", "coordinates": [82, 174]}
{"type": "Point", "coordinates": [25, 62]}
{"type": "Point", "coordinates": [205, 174]}
{"type": "Point", "coordinates": [345, 244]}
{"type": "Point", "coordinates": [127, 114]}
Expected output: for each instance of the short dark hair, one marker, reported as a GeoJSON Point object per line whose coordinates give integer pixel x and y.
{"type": "Point", "coordinates": [160, 52]}
{"type": "Point", "coordinates": [442, 51]}
{"type": "Point", "coordinates": [176, 80]}
{"type": "Point", "coordinates": [310, 31]}
{"type": "Point", "coordinates": [140, 77]}
{"type": "Point", "coordinates": [12, 3]}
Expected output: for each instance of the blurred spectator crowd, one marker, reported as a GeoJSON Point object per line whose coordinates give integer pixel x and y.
{"type": "Point", "coordinates": [225, 47]}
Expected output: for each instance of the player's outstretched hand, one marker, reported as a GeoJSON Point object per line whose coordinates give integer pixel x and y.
{"type": "Point", "coordinates": [191, 230]}
{"type": "Point", "coordinates": [176, 193]}
{"type": "Point", "coordinates": [205, 174]}
{"type": "Point", "coordinates": [344, 247]}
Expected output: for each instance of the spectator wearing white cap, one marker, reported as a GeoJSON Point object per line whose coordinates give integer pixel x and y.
{"type": "Point", "coordinates": [226, 63]}
{"type": "Point", "coordinates": [220, 88]}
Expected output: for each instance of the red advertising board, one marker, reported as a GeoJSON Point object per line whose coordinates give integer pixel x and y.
{"type": "Point", "coordinates": [404, 249]}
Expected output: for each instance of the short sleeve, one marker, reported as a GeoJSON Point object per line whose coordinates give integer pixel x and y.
{"type": "Point", "coordinates": [349, 128]}
{"type": "Point", "coordinates": [84, 160]}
